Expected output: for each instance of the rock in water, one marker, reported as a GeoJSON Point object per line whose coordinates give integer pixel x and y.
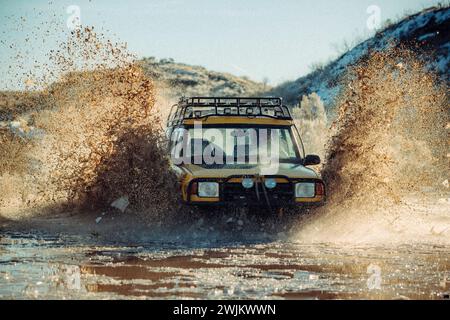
{"type": "Point", "coordinates": [121, 203]}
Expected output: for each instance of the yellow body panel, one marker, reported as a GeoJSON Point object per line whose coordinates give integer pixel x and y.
{"type": "Point", "coordinates": [195, 198]}
{"type": "Point", "coordinates": [310, 200]}
{"type": "Point", "coordinates": [293, 171]}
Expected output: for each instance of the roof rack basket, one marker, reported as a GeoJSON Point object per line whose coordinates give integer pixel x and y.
{"type": "Point", "coordinates": [203, 107]}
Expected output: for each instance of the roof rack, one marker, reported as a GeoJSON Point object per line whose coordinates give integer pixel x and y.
{"type": "Point", "coordinates": [204, 107]}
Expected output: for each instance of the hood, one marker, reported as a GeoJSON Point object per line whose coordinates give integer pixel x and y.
{"type": "Point", "coordinates": [291, 170]}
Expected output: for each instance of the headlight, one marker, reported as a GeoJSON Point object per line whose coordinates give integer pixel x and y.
{"type": "Point", "coordinates": [305, 190]}
{"type": "Point", "coordinates": [208, 189]}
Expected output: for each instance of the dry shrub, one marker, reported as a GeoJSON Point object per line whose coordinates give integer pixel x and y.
{"type": "Point", "coordinates": [14, 164]}
{"type": "Point", "coordinates": [311, 120]}
{"type": "Point", "coordinates": [13, 153]}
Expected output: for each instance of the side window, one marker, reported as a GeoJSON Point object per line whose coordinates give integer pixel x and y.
{"type": "Point", "coordinates": [286, 144]}
{"type": "Point", "coordinates": [175, 136]}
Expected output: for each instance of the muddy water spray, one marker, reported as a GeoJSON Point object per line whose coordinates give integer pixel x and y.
{"type": "Point", "coordinates": [99, 135]}
{"type": "Point", "coordinates": [389, 141]}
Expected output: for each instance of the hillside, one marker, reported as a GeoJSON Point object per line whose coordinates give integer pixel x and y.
{"type": "Point", "coordinates": [171, 78]}
{"type": "Point", "coordinates": [184, 79]}
{"type": "Point", "coordinates": [428, 29]}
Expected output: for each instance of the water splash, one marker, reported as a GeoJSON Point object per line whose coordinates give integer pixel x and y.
{"type": "Point", "coordinates": [389, 142]}
{"type": "Point", "coordinates": [100, 134]}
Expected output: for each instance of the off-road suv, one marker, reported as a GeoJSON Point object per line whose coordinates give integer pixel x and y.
{"type": "Point", "coordinates": [244, 151]}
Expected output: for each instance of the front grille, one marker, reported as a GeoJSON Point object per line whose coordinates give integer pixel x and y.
{"type": "Point", "coordinates": [236, 192]}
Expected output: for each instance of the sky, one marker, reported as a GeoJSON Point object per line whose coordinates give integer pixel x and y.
{"type": "Point", "coordinates": [260, 39]}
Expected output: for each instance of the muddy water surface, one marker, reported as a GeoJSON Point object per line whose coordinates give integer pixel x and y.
{"type": "Point", "coordinates": [41, 267]}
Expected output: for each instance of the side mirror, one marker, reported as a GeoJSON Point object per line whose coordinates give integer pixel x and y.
{"type": "Point", "coordinates": [311, 159]}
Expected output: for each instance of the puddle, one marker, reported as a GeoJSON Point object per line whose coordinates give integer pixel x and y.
{"type": "Point", "coordinates": [52, 267]}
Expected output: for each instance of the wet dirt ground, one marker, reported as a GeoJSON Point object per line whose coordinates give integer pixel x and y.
{"type": "Point", "coordinates": [40, 266]}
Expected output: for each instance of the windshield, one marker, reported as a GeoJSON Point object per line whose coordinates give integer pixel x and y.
{"type": "Point", "coordinates": [231, 145]}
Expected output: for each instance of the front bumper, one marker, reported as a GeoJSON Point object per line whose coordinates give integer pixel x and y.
{"type": "Point", "coordinates": [231, 191]}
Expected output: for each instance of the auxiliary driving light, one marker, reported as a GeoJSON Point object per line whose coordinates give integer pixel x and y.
{"type": "Point", "coordinates": [270, 183]}
{"type": "Point", "coordinates": [247, 183]}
